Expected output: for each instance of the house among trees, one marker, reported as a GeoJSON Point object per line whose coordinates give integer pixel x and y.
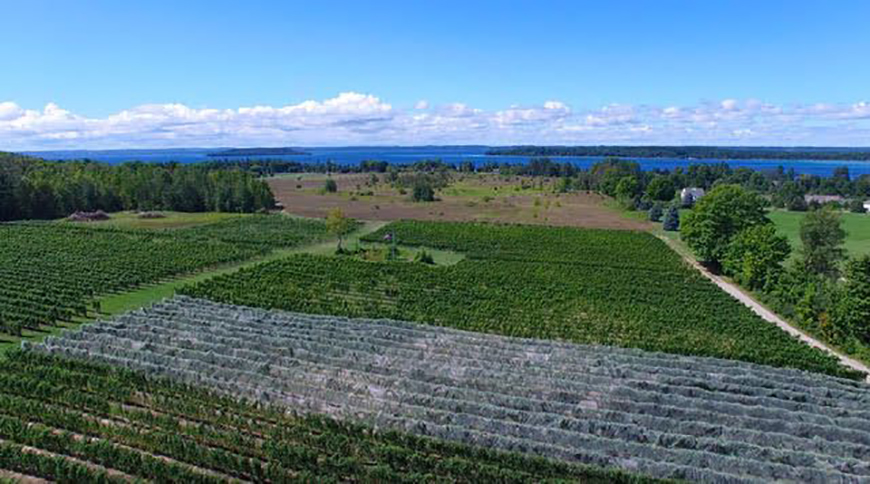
{"type": "Point", "coordinates": [867, 206]}
{"type": "Point", "coordinates": [823, 199]}
{"type": "Point", "coordinates": [690, 195]}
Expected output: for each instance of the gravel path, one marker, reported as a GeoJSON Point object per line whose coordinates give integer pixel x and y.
{"type": "Point", "coordinates": [767, 314]}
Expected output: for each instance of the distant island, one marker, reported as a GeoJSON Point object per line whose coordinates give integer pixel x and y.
{"type": "Point", "coordinates": [689, 152]}
{"type": "Point", "coordinates": [258, 152]}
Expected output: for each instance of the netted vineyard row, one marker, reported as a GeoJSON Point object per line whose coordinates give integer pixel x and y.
{"type": "Point", "coordinates": [72, 421]}
{"type": "Point", "coordinates": [675, 311]}
{"type": "Point", "coordinates": [664, 415]}
{"type": "Point", "coordinates": [51, 272]}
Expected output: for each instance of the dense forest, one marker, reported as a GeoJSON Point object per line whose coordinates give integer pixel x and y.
{"type": "Point", "coordinates": [687, 152]}
{"type": "Point", "coordinates": [32, 188]}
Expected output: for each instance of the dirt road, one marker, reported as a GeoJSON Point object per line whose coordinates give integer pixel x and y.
{"type": "Point", "coordinates": [767, 314]}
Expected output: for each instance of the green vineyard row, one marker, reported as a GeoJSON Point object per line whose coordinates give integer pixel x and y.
{"type": "Point", "coordinates": [120, 422]}
{"type": "Point", "coordinates": [603, 287]}
{"type": "Point", "coordinates": [53, 272]}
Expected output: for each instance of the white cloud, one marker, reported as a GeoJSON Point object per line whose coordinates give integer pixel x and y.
{"type": "Point", "coordinates": [551, 111]}
{"type": "Point", "coordinates": [613, 114]}
{"type": "Point", "coordinates": [10, 111]}
{"type": "Point", "coordinates": [458, 110]}
{"type": "Point", "coordinates": [729, 104]}
{"type": "Point", "coordinates": [671, 112]}
{"type": "Point", "coordinates": [355, 118]}
{"type": "Point", "coordinates": [860, 110]}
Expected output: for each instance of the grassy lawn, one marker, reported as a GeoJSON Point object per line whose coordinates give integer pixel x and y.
{"type": "Point", "coordinates": [857, 226]}
{"type": "Point", "coordinates": [639, 215]}
{"type": "Point", "coordinates": [172, 220]}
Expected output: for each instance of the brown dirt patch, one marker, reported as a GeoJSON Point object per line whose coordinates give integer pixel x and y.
{"type": "Point", "coordinates": [303, 196]}
{"type": "Point", "coordinates": [21, 478]}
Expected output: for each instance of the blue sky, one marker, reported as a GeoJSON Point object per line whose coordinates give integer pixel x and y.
{"type": "Point", "coordinates": [94, 74]}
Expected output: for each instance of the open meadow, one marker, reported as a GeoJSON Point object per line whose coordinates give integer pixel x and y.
{"type": "Point", "coordinates": [469, 197]}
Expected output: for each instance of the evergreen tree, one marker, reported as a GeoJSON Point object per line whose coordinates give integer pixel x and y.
{"type": "Point", "coordinates": [656, 212]}
{"type": "Point", "coordinates": [672, 220]}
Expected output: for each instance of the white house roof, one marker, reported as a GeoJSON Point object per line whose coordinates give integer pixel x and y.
{"type": "Point", "coordinates": [692, 191]}
{"type": "Point", "coordinates": [823, 198]}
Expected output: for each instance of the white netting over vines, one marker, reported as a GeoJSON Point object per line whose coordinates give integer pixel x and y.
{"type": "Point", "coordinates": [664, 415]}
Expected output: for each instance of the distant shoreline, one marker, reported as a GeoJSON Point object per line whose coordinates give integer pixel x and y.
{"type": "Point", "coordinates": [689, 152]}
{"type": "Point", "coordinates": [258, 152]}
{"type": "Point", "coordinates": [344, 156]}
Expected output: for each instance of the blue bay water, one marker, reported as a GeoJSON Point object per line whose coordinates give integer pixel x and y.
{"type": "Point", "coordinates": [447, 154]}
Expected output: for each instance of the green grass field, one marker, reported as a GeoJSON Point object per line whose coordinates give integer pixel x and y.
{"type": "Point", "coordinates": [472, 187]}
{"type": "Point", "coordinates": [857, 226]}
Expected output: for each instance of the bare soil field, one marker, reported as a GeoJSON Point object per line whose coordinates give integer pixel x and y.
{"type": "Point", "coordinates": [491, 198]}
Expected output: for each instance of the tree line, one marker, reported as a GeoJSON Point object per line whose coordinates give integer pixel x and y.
{"type": "Point", "coordinates": [637, 189]}
{"type": "Point", "coordinates": [32, 188]}
{"type": "Point", "coordinates": [786, 188]}
{"type": "Point", "coordinates": [686, 152]}
{"type": "Point", "coordinates": [822, 290]}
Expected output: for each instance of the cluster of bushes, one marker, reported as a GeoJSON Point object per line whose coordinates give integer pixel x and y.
{"type": "Point", "coordinates": [669, 217]}
{"type": "Point", "coordinates": [421, 179]}
{"type": "Point", "coordinates": [32, 188]}
{"type": "Point", "coordinates": [821, 290]}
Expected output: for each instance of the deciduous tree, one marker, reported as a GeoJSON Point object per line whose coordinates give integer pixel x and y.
{"type": "Point", "coordinates": [822, 236]}
{"type": "Point", "coordinates": [661, 188]}
{"type": "Point", "coordinates": [339, 225]}
{"type": "Point", "coordinates": [755, 255]}
{"type": "Point", "coordinates": [852, 314]}
{"type": "Point", "coordinates": [718, 217]}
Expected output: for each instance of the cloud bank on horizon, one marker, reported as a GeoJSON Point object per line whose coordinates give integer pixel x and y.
{"type": "Point", "coordinates": [352, 118]}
